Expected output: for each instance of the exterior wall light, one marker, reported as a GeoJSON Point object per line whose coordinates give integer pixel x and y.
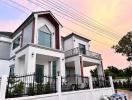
{"type": "Point", "coordinates": [33, 54]}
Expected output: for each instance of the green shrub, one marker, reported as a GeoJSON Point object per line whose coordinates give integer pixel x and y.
{"type": "Point", "coordinates": [18, 89]}
{"type": "Point", "coordinates": [31, 90]}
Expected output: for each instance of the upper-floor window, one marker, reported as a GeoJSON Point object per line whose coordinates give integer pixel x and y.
{"type": "Point", "coordinates": [45, 37]}
{"type": "Point", "coordinates": [16, 43]}
{"type": "Point", "coordinates": [82, 48]}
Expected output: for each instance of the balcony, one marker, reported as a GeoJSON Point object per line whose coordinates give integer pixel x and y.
{"type": "Point", "coordinates": [77, 51]}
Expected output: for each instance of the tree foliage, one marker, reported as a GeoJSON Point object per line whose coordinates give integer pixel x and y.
{"type": "Point", "coordinates": [124, 46]}
{"type": "Point", "coordinates": [115, 72]}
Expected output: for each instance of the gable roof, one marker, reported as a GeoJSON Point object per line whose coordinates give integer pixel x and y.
{"type": "Point", "coordinates": [73, 34]}
{"type": "Point", "coordinates": [31, 17]}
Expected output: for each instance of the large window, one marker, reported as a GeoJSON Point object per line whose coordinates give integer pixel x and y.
{"type": "Point", "coordinates": [82, 48]}
{"type": "Point", "coordinates": [44, 39]}
{"type": "Point", "coordinates": [16, 43]}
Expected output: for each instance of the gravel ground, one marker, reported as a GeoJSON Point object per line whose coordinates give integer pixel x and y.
{"type": "Point", "coordinates": [129, 93]}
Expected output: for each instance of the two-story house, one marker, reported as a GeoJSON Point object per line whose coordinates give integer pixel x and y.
{"type": "Point", "coordinates": [36, 46]}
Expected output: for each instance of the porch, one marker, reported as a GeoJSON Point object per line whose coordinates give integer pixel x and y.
{"type": "Point", "coordinates": [77, 64]}
{"type": "Point", "coordinates": [38, 59]}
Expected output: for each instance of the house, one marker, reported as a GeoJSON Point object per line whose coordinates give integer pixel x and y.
{"type": "Point", "coordinates": [42, 61]}
{"type": "Point", "coordinates": [37, 45]}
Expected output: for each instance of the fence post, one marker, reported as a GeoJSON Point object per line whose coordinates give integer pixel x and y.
{"type": "Point", "coordinates": [111, 83]}
{"type": "Point", "coordinates": [59, 86]}
{"type": "Point", "coordinates": [3, 87]}
{"type": "Point", "coordinates": [90, 82]}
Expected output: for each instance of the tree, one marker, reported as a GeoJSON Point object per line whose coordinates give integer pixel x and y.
{"type": "Point", "coordinates": [114, 72]}
{"type": "Point", "coordinates": [124, 46]}
{"type": "Point", "coordinates": [94, 72]}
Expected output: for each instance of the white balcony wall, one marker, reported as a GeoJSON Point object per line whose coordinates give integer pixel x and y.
{"type": "Point", "coordinates": [73, 42]}
{"type": "Point", "coordinates": [78, 40]}
{"type": "Point", "coordinates": [68, 44]}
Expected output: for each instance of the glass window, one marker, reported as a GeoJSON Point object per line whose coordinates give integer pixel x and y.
{"type": "Point", "coordinates": [44, 39]}
{"type": "Point", "coordinates": [82, 48]}
{"type": "Point", "coordinates": [16, 42]}
{"type": "Point", "coordinates": [39, 74]}
{"type": "Point", "coordinates": [54, 69]}
{"type": "Point", "coordinates": [12, 70]}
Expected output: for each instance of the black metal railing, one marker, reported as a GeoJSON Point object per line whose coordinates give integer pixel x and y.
{"type": "Point", "coordinates": [29, 85]}
{"type": "Point", "coordinates": [74, 82]}
{"type": "Point", "coordinates": [101, 82]}
{"type": "Point", "coordinates": [76, 51]}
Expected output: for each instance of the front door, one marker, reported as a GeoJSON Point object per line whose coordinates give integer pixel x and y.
{"type": "Point", "coordinates": [39, 73]}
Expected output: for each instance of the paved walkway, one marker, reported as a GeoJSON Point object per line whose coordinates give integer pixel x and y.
{"type": "Point", "coordinates": [129, 93]}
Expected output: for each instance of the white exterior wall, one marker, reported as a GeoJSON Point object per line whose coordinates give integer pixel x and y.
{"type": "Point", "coordinates": [4, 67]}
{"type": "Point", "coordinates": [73, 42]}
{"type": "Point", "coordinates": [68, 44]}
{"type": "Point", "coordinates": [40, 23]}
{"type": "Point", "coordinates": [27, 34]}
{"type": "Point", "coordinates": [81, 41]}
{"type": "Point", "coordinates": [95, 94]}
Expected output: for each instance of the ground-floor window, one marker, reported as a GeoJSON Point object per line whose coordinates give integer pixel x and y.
{"type": "Point", "coordinates": [39, 73]}
{"type": "Point", "coordinates": [12, 70]}
{"type": "Point", "coordinates": [54, 69]}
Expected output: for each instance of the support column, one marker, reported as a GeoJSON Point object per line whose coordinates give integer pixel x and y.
{"type": "Point", "coordinates": [100, 70]}
{"type": "Point", "coordinates": [111, 83]}
{"type": "Point", "coordinates": [61, 66]}
{"type": "Point", "coordinates": [77, 66]}
{"type": "Point", "coordinates": [3, 85]}
{"type": "Point", "coordinates": [35, 29]}
{"type": "Point", "coordinates": [90, 82]}
{"type": "Point", "coordinates": [30, 62]}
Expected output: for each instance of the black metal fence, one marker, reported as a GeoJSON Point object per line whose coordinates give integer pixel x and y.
{"type": "Point", "coordinates": [74, 82]}
{"type": "Point", "coordinates": [101, 82]}
{"type": "Point", "coordinates": [123, 85]}
{"type": "Point", "coordinates": [28, 85]}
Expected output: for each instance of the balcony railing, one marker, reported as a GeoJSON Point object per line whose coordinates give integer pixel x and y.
{"type": "Point", "coordinates": [76, 51]}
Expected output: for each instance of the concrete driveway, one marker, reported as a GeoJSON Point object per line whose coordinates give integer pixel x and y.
{"type": "Point", "coordinates": [129, 93]}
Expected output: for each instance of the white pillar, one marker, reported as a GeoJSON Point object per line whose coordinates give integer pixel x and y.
{"type": "Point", "coordinates": [77, 66]}
{"type": "Point", "coordinates": [61, 66]}
{"type": "Point", "coordinates": [3, 85]}
{"type": "Point", "coordinates": [30, 61]}
{"type": "Point", "coordinates": [111, 83]}
{"type": "Point", "coordinates": [100, 70]}
{"type": "Point", "coordinates": [90, 82]}
{"type": "Point", "coordinates": [36, 29]}
{"type": "Point", "coordinates": [59, 86]}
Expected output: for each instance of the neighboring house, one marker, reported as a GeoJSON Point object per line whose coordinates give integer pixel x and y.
{"type": "Point", "coordinates": [5, 46]}
{"type": "Point", "coordinates": [37, 47]}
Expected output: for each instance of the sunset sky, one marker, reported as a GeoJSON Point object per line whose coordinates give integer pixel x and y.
{"type": "Point", "coordinates": [115, 15]}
